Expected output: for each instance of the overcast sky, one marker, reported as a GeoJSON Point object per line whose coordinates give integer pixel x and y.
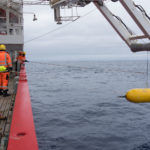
{"type": "Point", "coordinates": [90, 35]}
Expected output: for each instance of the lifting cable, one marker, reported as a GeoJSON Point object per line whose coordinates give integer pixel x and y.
{"type": "Point", "coordinates": [147, 69]}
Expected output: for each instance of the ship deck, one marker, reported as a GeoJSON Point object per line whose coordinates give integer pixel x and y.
{"type": "Point", "coordinates": [6, 109]}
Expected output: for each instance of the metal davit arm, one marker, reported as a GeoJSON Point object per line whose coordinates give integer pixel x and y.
{"type": "Point", "coordinates": [115, 23]}
{"type": "Point", "coordinates": [137, 13]}
{"type": "Point", "coordinates": [140, 47]}
{"type": "Point", "coordinates": [139, 17]}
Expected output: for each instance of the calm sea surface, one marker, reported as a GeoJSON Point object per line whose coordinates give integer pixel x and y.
{"type": "Point", "coordinates": [76, 105]}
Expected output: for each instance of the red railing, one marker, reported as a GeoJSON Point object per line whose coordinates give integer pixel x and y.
{"type": "Point", "coordinates": [22, 132]}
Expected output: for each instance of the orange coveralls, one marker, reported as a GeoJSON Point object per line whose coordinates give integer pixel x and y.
{"type": "Point", "coordinates": [21, 58]}
{"type": "Point", "coordinates": [5, 60]}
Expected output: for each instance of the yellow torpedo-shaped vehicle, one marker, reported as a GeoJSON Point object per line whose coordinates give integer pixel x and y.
{"type": "Point", "coordinates": [138, 95]}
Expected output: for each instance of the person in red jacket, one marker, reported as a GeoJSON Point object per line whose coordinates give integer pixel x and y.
{"type": "Point", "coordinates": [5, 67]}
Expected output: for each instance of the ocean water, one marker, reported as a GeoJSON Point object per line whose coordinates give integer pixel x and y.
{"type": "Point", "coordinates": [76, 105]}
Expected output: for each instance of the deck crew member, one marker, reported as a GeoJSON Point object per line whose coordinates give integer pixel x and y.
{"type": "Point", "coordinates": [5, 67]}
{"type": "Point", "coordinates": [21, 57]}
{"type": "Point", "coordinates": [20, 60]}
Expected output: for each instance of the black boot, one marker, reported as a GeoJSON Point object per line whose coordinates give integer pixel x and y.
{"type": "Point", "coordinates": [3, 117]}
{"type": "Point", "coordinates": [1, 92]}
{"type": "Point", "coordinates": [5, 94]}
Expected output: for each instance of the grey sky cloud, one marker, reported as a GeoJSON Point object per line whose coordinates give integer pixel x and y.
{"type": "Point", "coordinates": [91, 34]}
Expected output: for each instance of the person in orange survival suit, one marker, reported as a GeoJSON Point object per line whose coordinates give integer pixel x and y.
{"type": "Point", "coordinates": [20, 60]}
{"type": "Point", "coordinates": [21, 57]}
{"type": "Point", "coordinates": [5, 67]}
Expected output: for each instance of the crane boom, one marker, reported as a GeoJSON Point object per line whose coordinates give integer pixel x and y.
{"type": "Point", "coordinates": [134, 41]}
{"type": "Point", "coordinates": [123, 32]}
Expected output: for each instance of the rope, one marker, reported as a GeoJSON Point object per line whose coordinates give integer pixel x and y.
{"type": "Point", "coordinates": [79, 67]}
{"type": "Point", "coordinates": [147, 85]}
